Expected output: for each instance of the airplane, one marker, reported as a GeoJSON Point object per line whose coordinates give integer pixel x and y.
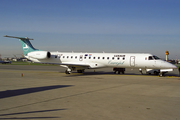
{"type": "Point", "coordinates": [81, 61]}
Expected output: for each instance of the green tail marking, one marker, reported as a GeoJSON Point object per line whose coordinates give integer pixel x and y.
{"type": "Point", "coordinates": [27, 47]}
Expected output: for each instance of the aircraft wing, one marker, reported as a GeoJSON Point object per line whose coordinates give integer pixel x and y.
{"type": "Point", "coordinates": [70, 64]}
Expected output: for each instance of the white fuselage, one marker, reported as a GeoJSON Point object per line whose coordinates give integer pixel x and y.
{"type": "Point", "coordinates": [82, 61]}
{"type": "Point", "coordinates": [98, 60]}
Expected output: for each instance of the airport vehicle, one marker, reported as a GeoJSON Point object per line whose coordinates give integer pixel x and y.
{"type": "Point", "coordinates": [153, 71]}
{"type": "Point", "coordinates": [81, 61]}
{"type": "Point", "coordinates": [150, 71]}
{"type": "Point", "coordinates": [5, 62]}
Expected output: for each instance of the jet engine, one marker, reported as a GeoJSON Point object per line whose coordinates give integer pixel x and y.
{"type": "Point", "coordinates": [40, 54]}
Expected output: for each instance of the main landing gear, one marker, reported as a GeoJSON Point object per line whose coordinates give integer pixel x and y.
{"type": "Point", "coordinates": [68, 71]}
{"type": "Point", "coordinates": [80, 71]}
{"type": "Point", "coordinates": [118, 70]}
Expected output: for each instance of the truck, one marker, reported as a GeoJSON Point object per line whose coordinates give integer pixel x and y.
{"type": "Point", "coordinates": [150, 71]}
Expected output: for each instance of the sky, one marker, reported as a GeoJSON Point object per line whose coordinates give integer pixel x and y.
{"type": "Point", "coordinates": [120, 26]}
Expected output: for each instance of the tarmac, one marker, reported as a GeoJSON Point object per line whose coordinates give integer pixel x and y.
{"type": "Point", "coordinates": [47, 93]}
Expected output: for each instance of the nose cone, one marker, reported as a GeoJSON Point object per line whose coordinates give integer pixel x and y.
{"type": "Point", "coordinates": [174, 67]}
{"type": "Point", "coordinates": [169, 65]}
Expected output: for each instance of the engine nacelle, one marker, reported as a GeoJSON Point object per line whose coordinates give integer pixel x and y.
{"type": "Point", "coordinates": [39, 54]}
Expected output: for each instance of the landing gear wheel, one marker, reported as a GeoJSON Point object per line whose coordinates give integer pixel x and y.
{"type": "Point", "coordinates": [80, 71]}
{"type": "Point", "coordinates": [156, 73]}
{"type": "Point", "coordinates": [161, 74]}
{"type": "Point", "coordinates": [67, 72]}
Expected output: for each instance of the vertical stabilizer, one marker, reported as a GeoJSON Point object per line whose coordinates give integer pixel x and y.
{"type": "Point", "coordinates": [25, 44]}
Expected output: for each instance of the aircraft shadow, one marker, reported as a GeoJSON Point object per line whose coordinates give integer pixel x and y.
{"type": "Point", "coordinates": [22, 113]}
{"type": "Point", "coordinates": [31, 118]}
{"type": "Point", "coordinates": [112, 73]}
{"type": "Point", "coordinates": [98, 73]}
{"type": "Point", "coordinates": [11, 93]}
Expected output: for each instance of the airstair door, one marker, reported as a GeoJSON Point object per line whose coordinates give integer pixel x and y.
{"type": "Point", "coordinates": [132, 61]}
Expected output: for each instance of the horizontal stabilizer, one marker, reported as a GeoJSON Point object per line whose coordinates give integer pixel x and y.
{"type": "Point", "coordinates": [22, 38]}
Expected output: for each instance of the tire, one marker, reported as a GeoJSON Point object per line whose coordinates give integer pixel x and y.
{"type": "Point", "coordinates": [155, 73]}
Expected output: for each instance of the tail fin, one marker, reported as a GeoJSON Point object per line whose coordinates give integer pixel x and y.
{"type": "Point", "coordinates": [25, 44]}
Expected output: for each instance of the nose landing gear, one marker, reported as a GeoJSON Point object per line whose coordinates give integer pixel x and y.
{"type": "Point", "coordinates": [161, 74]}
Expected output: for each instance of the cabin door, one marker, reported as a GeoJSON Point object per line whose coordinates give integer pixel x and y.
{"type": "Point", "coordinates": [132, 61]}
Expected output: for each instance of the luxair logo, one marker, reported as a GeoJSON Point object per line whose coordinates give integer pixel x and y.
{"type": "Point", "coordinates": [25, 47]}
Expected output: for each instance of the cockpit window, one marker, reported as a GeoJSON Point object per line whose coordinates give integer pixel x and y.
{"type": "Point", "coordinates": [155, 57]}
{"type": "Point", "coordinates": [150, 58]}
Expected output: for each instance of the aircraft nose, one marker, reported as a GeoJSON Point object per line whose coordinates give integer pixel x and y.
{"type": "Point", "coordinates": [168, 65]}
{"type": "Point", "coordinates": [172, 66]}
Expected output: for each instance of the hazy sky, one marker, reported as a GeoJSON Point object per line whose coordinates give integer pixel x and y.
{"type": "Point", "coordinates": [143, 26]}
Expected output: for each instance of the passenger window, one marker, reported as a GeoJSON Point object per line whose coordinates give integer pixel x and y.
{"type": "Point", "coordinates": [98, 57]}
{"type": "Point", "coordinates": [84, 57]}
{"type": "Point", "coordinates": [102, 57]}
{"type": "Point", "coordinates": [123, 58]}
{"type": "Point", "coordinates": [89, 57]}
{"type": "Point", "coordinates": [94, 57]}
{"type": "Point", "coordinates": [118, 58]}
{"type": "Point", "coordinates": [76, 57]}
{"type": "Point", "coordinates": [108, 58]}
{"type": "Point", "coordinates": [113, 58]}
{"type": "Point", "coordinates": [67, 56]}
{"type": "Point", "coordinates": [71, 56]}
